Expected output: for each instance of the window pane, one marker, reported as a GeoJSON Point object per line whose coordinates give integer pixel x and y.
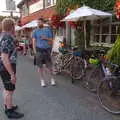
{"type": "Point", "coordinates": [105, 32]}
{"type": "Point", "coordinates": [96, 33]}
{"type": "Point", "coordinates": [48, 3]}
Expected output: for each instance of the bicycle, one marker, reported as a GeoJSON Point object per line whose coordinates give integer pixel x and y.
{"type": "Point", "coordinates": [109, 91]}
{"type": "Point", "coordinates": [72, 63]}
{"type": "Point", "coordinates": [94, 71]}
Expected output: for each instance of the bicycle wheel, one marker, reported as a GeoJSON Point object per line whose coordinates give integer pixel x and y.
{"type": "Point", "coordinates": [58, 63]}
{"type": "Point", "coordinates": [62, 62]}
{"type": "Point", "coordinates": [77, 68]}
{"type": "Point", "coordinates": [93, 79]}
{"type": "Point", "coordinates": [108, 97]}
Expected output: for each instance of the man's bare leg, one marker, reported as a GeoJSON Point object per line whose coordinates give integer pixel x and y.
{"type": "Point", "coordinates": [49, 70]}
{"type": "Point", "coordinates": [7, 96]}
{"type": "Point", "coordinates": [41, 76]}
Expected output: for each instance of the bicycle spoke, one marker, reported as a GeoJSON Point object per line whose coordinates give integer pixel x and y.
{"type": "Point", "coordinates": [77, 68]}
{"type": "Point", "coordinates": [109, 98]}
{"type": "Point", "coordinates": [94, 79]}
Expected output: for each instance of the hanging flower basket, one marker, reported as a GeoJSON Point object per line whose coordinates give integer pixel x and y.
{"type": "Point", "coordinates": [72, 24]}
{"type": "Point", "coordinates": [56, 21]}
{"type": "Point", "coordinates": [117, 9]}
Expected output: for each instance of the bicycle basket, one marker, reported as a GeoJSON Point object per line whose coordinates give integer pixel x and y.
{"type": "Point", "coordinates": [93, 61]}
{"type": "Point", "coordinates": [77, 54]}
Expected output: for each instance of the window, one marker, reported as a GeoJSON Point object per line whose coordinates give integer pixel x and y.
{"type": "Point", "coordinates": [49, 3]}
{"type": "Point", "coordinates": [36, 6]}
{"type": "Point", "coordinates": [104, 34]}
{"type": "Point", "coordinates": [25, 10]}
{"type": "Point", "coordinates": [115, 32]}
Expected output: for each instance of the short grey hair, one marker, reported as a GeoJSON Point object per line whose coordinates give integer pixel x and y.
{"type": "Point", "coordinates": [8, 24]}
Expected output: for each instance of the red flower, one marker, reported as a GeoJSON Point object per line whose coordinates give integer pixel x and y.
{"type": "Point", "coordinates": [117, 9]}
{"type": "Point", "coordinates": [72, 24]}
{"type": "Point", "coordinates": [56, 21]}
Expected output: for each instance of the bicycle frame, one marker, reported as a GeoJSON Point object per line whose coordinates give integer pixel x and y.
{"type": "Point", "coordinates": [113, 76]}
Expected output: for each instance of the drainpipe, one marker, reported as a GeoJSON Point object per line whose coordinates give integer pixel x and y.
{"type": "Point", "coordinates": [100, 37]}
{"type": "Point", "coordinates": [68, 34]}
{"type": "Point", "coordinates": [43, 4]}
{"type": "Point", "coordinates": [11, 14]}
{"type": "Point", "coordinates": [27, 1]}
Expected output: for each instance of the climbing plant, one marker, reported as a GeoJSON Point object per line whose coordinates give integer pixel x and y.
{"type": "Point", "coordinates": [114, 53]}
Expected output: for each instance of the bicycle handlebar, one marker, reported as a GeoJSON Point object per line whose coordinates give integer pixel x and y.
{"type": "Point", "coordinates": [113, 65]}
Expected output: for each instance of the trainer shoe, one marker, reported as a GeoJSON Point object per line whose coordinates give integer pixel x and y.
{"type": "Point", "coordinates": [13, 115]}
{"type": "Point", "coordinates": [53, 82]}
{"type": "Point", "coordinates": [43, 83]}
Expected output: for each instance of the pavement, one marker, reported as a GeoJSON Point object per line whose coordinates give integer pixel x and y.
{"type": "Point", "coordinates": [65, 101]}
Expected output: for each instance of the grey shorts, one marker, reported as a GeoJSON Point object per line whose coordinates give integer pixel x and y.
{"type": "Point", "coordinates": [43, 56]}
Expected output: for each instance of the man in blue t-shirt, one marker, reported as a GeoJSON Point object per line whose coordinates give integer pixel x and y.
{"type": "Point", "coordinates": [41, 37]}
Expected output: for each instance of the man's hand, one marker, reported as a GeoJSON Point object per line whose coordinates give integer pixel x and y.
{"type": "Point", "coordinates": [43, 37]}
{"type": "Point", "coordinates": [34, 51]}
{"type": "Point", "coordinates": [13, 79]}
{"type": "Point", "coordinates": [34, 46]}
{"type": "Point", "coordinates": [8, 66]}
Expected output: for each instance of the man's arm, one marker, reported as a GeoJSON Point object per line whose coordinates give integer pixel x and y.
{"type": "Point", "coordinates": [49, 37]}
{"type": "Point", "coordinates": [46, 38]}
{"type": "Point", "coordinates": [6, 62]}
{"type": "Point", "coordinates": [33, 35]}
{"type": "Point", "coordinates": [34, 45]}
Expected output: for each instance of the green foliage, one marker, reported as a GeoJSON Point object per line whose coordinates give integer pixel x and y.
{"type": "Point", "coordinates": [79, 36]}
{"type": "Point", "coordinates": [62, 5]}
{"type": "Point", "coordinates": [114, 53]}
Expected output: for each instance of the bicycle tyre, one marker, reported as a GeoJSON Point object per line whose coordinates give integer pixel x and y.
{"type": "Point", "coordinates": [62, 62]}
{"type": "Point", "coordinates": [93, 79]}
{"type": "Point", "coordinates": [57, 63]}
{"type": "Point", "coordinates": [77, 68]}
{"type": "Point", "coordinates": [106, 96]}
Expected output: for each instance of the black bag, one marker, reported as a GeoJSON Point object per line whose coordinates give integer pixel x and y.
{"type": "Point", "coordinates": [34, 61]}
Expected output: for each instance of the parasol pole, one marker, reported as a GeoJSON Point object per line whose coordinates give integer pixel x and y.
{"type": "Point", "coordinates": [85, 34]}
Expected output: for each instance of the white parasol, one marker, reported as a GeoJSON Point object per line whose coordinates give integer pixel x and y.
{"type": "Point", "coordinates": [86, 13]}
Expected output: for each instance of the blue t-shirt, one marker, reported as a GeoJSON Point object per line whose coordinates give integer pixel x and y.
{"type": "Point", "coordinates": [40, 43]}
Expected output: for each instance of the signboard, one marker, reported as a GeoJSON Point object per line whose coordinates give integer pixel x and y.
{"type": "Point", "coordinates": [10, 5]}
{"type": "Point", "coordinates": [36, 6]}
